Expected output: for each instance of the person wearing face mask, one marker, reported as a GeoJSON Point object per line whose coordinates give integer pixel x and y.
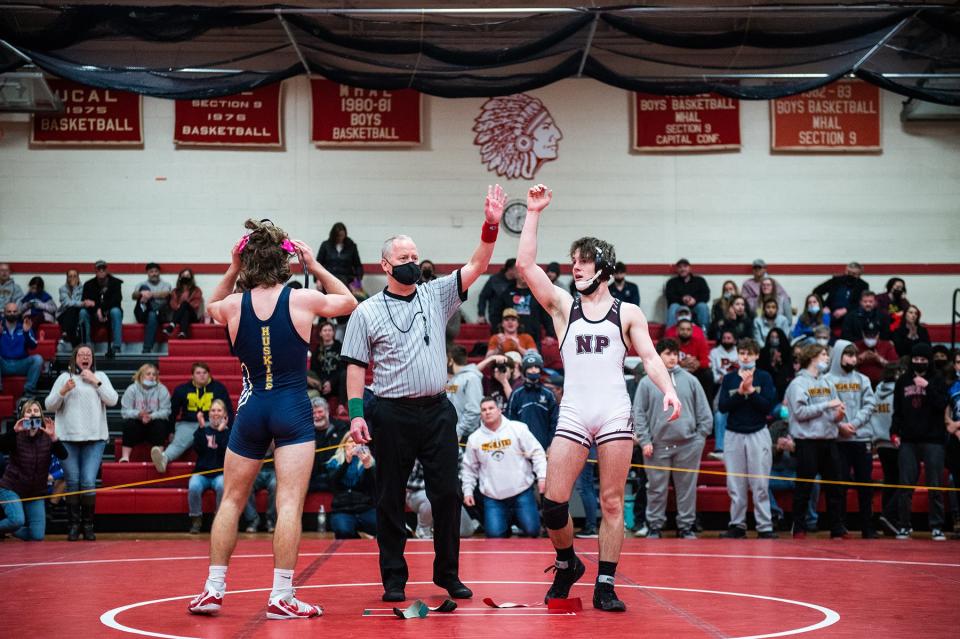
{"type": "Point", "coordinates": [815, 412]}
{"type": "Point", "coordinates": [533, 404]}
{"type": "Point", "coordinates": [621, 289]}
{"type": "Point", "coordinates": [694, 350]}
{"type": "Point", "coordinates": [893, 301]}
{"type": "Point", "coordinates": [747, 396]}
{"type": "Point", "coordinates": [152, 298]}
{"type": "Point", "coordinates": [722, 304]}
{"type": "Point", "coordinates": [886, 446]}
{"type": "Point", "coordinates": [736, 319]}
{"type": "Point", "coordinates": [919, 401]}
{"type": "Point", "coordinates": [776, 358]}
{"type": "Point", "coordinates": [464, 390]}
{"type": "Point", "coordinates": [841, 293]}
{"type": "Point", "coordinates": [145, 408]}
{"type": "Point", "coordinates": [186, 303]}
{"type": "Point", "coordinates": [856, 456]}
{"type": "Point", "coordinates": [822, 336]}
{"type": "Point", "coordinates": [813, 315]}
{"type": "Point", "coordinates": [770, 318]}
{"type": "Point", "coordinates": [210, 443]}
{"type": "Point", "coordinates": [874, 353]}
{"type": "Point", "coordinates": [723, 361]}
{"type": "Point", "coordinates": [17, 338]}
{"type": "Point", "coordinates": [428, 272]}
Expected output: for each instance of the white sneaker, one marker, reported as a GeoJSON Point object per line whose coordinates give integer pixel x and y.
{"type": "Point", "coordinates": [642, 531]}
{"type": "Point", "coordinates": [159, 459]}
{"type": "Point", "coordinates": [289, 607]}
{"type": "Point", "coordinates": [716, 455]}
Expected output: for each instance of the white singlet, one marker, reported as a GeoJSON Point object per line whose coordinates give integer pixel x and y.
{"type": "Point", "coordinates": [595, 406]}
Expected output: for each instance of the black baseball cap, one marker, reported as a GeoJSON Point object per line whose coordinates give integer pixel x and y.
{"type": "Point", "coordinates": [682, 261]}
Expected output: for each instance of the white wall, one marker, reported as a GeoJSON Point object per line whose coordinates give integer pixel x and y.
{"type": "Point", "coordinates": [900, 206]}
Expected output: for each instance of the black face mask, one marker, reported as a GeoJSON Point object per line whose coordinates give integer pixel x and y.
{"type": "Point", "coordinates": [847, 368]}
{"type": "Point", "coordinates": [427, 273]}
{"type": "Point", "coordinates": [897, 294]}
{"type": "Point", "coordinates": [11, 318]}
{"type": "Point", "coordinates": [919, 368]}
{"type": "Point", "coordinates": [407, 274]}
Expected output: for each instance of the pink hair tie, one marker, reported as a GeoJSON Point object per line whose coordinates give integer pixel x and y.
{"type": "Point", "coordinates": [288, 246]}
{"type": "Point", "coordinates": [243, 243]}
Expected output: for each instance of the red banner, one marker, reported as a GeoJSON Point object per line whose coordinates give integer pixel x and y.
{"type": "Point", "coordinates": [90, 116]}
{"type": "Point", "coordinates": [705, 122]}
{"type": "Point", "coordinates": [348, 116]}
{"type": "Point", "coordinates": [843, 116]}
{"type": "Point", "coordinates": [251, 118]}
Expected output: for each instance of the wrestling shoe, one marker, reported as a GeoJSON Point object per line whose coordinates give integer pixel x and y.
{"type": "Point", "coordinates": [207, 602]}
{"type": "Point", "coordinates": [564, 578]}
{"type": "Point", "coordinates": [605, 598]}
{"type": "Point", "coordinates": [289, 607]}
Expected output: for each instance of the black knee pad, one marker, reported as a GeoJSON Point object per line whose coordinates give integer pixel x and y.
{"type": "Point", "coordinates": [555, 514]}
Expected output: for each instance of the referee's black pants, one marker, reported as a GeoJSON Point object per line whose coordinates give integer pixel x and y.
{"type": "Point", "coordinates": [403, 431]}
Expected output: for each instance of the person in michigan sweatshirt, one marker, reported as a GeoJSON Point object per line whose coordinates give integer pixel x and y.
{"type": "Point", "coordinates": [859, 403]}
{"type": "Point", "coordinates": [509, 463]}
{"type": "Point", "coordinates": [816, 413]}
{"type": "Point", "coordinates": [677, 443]}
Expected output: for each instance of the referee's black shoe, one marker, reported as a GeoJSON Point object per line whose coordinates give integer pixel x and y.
{"type": "Point", "coordinates": [564, 578]}
{"type": "Point", "coordinates": [394, 594]}
{"type": "Point", "coordinates": [605, 598]}
{"type": "Point", "coordinates": [456, 589]}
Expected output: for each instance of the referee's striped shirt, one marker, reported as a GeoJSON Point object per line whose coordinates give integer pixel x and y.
{"type": "Point", "coordinates": [388, 330]}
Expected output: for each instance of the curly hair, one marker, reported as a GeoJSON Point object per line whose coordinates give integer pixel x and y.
{"type": "Point", "coordinates": [264, 262]}
{"type": "Point", "coordinates": [589, 246]}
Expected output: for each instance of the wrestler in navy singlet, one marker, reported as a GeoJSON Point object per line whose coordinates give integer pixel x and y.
{"type": "Point", "coordinates": [273, 360]}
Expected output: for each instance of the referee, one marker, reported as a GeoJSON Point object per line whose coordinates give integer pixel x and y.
{"type": "Point", "coordinates": [401, 331]}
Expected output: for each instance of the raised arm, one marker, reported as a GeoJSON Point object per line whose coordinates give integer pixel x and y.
{"type": "Point", "coordinates": [480, 260]}
{"type": "Point", "coordinates": [652, 364]}
{"type": "Point", "coordinates": [337, 301]}
{"type": "Point", "coordinates": [551, 297]}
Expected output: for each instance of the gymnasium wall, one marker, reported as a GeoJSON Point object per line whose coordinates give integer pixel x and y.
{"type": "Point", "coordinates": [187, 206]}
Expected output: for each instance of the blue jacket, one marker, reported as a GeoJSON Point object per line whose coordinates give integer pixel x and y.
{"type": "Point", "coordinates": [536, 407]}
{"type": "Point", "coordinates": [15, 344]}
{"type": "Point", "coordinates": [747, 414]}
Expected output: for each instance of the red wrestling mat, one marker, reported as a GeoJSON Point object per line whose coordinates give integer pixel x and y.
{"type": "Point", "coordinates": [672, 588]}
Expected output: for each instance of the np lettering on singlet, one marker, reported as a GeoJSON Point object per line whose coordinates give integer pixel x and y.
{"type": "Point", "coordinates": [595, 406]}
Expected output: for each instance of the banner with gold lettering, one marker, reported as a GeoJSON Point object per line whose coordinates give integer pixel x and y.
{"type": "Point", "coordinates": [705, 122]}
{"type": "Point", "coordinates": [251, 118]}
{"type": "Point", "coordinates": [842, 116]}
{"type": "Point", "coordinates": [91, 116]}
{"type": "Point", "coordinates": [348, 116]}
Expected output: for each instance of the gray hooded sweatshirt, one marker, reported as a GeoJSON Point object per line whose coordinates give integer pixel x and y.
{"type": "Point", "coordinates": [856, 392]}
{"type": "Point", "coordinates": [806, 399]}
{"type": "Point", "coordinates": [465, 390]}
{"type": "Point", "coordinates": [650, 420]}
{"type": "Point", "coordinates": [882, 417]}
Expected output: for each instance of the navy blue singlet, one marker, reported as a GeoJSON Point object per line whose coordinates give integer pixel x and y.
{"type": "Point", "coordinates": [273, 359]}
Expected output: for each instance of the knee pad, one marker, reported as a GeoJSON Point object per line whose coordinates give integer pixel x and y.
{"type": "Point", "coordinates": [555, 514]}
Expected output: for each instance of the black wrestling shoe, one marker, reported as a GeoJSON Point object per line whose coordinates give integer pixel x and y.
{"type": "Point", "coordinates": [605, 598]}
{"type": "Point", "coordinates": [456, 589]}
{"type": "Point", "coordinates": [564, 578]}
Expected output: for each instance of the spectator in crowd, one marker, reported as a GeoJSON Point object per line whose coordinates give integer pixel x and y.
{"type": "Point", "coordinates": [351, 478]}
{"type": "Point", "coordinates": [586, 486]}
{"type": "Point", "coordinates": [101, 304]}
{"type": "Point", "coordinates": [152, 297]}
{"type": "Point", "coordinates": [776, 358]}
{"type": "Point", "coordinates": [910, 332]}
{"type": "Point", "coordinates": [822, 336]}
{"type": "Point", "coordinates": [747, 395]}
{"type": "Point", "coordinates": [504, 378]}
{"type": "Point", "coordinates": [771, 290]}
{"type": "Point", "coordinates": [841, 293]}
{"type": "Point", "coordinates": [189, 405]}
{"type": "Point", "coordinates": [464, 390]}
{"type": "Point", "coordinates": [506, 461]}
{"type": "Point", "coordinates": [328, 373]}
{"type": "Point", "coordinates": [266, 479]}
{"type": "Point", "coordinates": [874, 353]}
{"type": "Point", "coordinates": [68, 313]}
{"type": "Point", "coordinates": [736, 320]}
{"type": "Point", "coordinates": [723, 360]}
{"type": "Point", "coordinates": [210, 444]}
{"type": "Point", "coordinates": [17, 339]}
{"type": "Point", "coordinates": [770, 318]}
{"type": "Point", "coordinates": [37, 303]}
{"type": "Point", "coordinates": [533, 319]}
{"type": "Point", "coordinates": [532, 404]}
{"type": "Point", "coordinates": [893, 301]}
{"type": "Point", "coordinates": [856, 454]}
{"type": "Point", "coordinates": [751, 288]}
{"type": "Point", "coordinates": [145, 408]}
{"type": "Point", "coordinates": [418, 502]}
{"type": "Point", "coordinates": [490, 303]}
{"type": "Point", "coordinates": [339, 255]}
{"type": "Point", "coordinates": [880, 424]}
{"type": "Point", "coordinates": [919, 402]}
{"type": "Point", "coordinates": [677, 444]}
{"type": "Point", "coordinates": [186, 304]}
{"type": "Point", "coordinates": [814, 314]}
{"type": "Point", "coordinates": [29, 445]}
{"type": "Point", "coordinates": [10, 291]}
{"type": "Point", "coordinates": [686, 290]}
{"type": "Point", "coordinates": [622, 289]}
{"type": "Point", "coordinates": [721, 305]}
{"type": "Point", "coordinates": [953, 422]}
{"type": "Point", "coordinates": [553, 272]}
{"type": "Point", "coordinates": [428, 271]}
{"type": "Point", "coordinates": [867, 311]}
{"type": "Point", "coordinates": [328, 432]}
{"type": "Point", "coordinates": [941, 360]}
{"type": "Point", "coordinates": [80, 397]}
{"type": "Point", "coordinates": [694, 351]}
{"type": "Point", "coordinates": [510, 338]}
{"type": "Point", "coordinates": [815, 410]}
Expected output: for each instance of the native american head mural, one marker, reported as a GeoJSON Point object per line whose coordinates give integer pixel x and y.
{"type": "Point", "coordinates": [516, 134]}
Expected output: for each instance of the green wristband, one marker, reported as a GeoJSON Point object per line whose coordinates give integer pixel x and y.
{"type": "Point", "coordinates": [356, 407]}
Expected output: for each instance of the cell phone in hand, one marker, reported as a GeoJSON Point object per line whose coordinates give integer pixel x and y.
{"type": "Point", "coordinates": [362, 449]}
{"type": "Point", "coordinates": [35, 423]}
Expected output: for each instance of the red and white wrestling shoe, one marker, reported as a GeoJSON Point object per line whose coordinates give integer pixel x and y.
{"type": "Point", "coordinates": [291, 608]}
{"type": "Point", "coordinates": [207, 602]}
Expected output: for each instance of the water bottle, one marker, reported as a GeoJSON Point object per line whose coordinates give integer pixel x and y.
{"type": "Point", "coordinates": [322, 519]}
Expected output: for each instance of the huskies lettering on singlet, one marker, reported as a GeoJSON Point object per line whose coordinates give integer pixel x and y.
{"type": "Point", "coordinates": [592, 343]}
